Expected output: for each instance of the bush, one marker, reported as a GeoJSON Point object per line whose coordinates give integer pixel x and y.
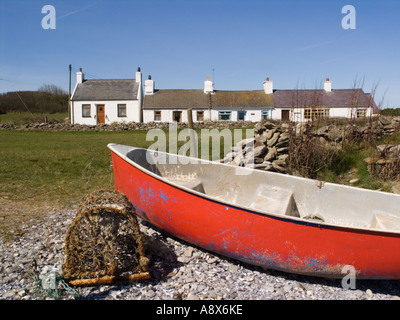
{"type": "Point", "coordinates": [50, 101]}
{"type": "Point", "coordinates": [390, 112]}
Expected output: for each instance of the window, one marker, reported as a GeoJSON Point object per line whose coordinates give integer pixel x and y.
{"type": "Point", "coordinates": [224, 115]}
{"type": "Point", "coordinates": [177, 116]}
{"type": "Point", "coordinates": [265, 114]}
{"type": "Point", "coordinates": [307, 114]}
{"type": "Point", "coordinates": [361, 113]}
{"type": "Point", "coordinates": [200, 115]}
{"type": "Point", "coordinates": [242, 115]}
{"type": "Point", "coordinates": [316, 113]}
{"type": "Point", "coordinates": [157, 115]}
{"type": "Point", "coordinates": [122, 110]}
{"type": "Point", "coordinates": [86, 111]}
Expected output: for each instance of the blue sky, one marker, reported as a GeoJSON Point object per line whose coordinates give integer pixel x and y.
{"type": "Point", "coordinates": [179, 43]}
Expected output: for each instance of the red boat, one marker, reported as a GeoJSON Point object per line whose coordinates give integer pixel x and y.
{"type": "Point", "coordinates": [262, 218]}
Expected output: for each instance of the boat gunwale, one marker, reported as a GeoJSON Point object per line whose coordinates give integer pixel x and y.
{"type": "Point", "coordinates": [292, 219]}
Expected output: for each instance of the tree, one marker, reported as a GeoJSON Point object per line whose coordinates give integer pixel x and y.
{"type": "Point", "coordinates": [53, 89]}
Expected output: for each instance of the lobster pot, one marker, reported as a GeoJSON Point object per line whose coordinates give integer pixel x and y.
{"type": "Point", "coordinates": [388, 169]}
{"type": "Point", "coordinates": [103, 244]}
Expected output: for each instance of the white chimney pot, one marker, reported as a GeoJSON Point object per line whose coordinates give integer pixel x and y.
{"type": "Point", "coordinates": [149, 86]}
{"type": "Point", "coordinates": [268, 86]}
{"type": "Point", "coordinates": [79, 76]}
{"type": "Point", "coordinates": [327, 85]}
{"type": "Point", "coordinates": [138, 75]}
{"type": "Point", "coordinates": [208, 86]}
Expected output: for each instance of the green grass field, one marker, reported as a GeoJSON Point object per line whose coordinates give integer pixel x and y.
{"type": "Point", "coordinates": [23, 118]}
{"type": "Point", "coordinates": [44, 171]}
{"type": "Point", "coordinates": [44, 165]}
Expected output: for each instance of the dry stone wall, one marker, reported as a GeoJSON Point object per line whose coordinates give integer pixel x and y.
{"type": "Point", "coordinates": [61, 126]}
{"type": "Point", "coordinates": [269, 149]}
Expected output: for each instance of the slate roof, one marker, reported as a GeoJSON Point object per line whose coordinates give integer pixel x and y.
{"type": "Point", "coordinates": [317, 98]}
{"type": "Point", "coordinates": [176, 99]}
{"type": "Point", "coordinates": [127, 89]}
{"type": "Point", "coordinates": [255, 98]}
{"type": "Point", "coordinates": [91, 90]}
{"type": "Point", "coordinates": [182, 99]}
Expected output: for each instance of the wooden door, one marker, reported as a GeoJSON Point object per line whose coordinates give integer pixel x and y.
{"type": "Point", "coordinates": [177, 116]}
{"type": "Point", "coordinates": [285, 115]}
{"type": "Point", "coordinates": [101, 115]}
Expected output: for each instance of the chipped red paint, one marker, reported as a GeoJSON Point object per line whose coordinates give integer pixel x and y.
{"type": "Point", "coordinates": [272, 242]}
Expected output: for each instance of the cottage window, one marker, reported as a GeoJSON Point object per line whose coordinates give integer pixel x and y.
{"type": "Point", "coordinates": [307, 114]}
{"type": "Point", "coordinates": [242, 115]}
{"type": "Point", "coordinates": [157, 115]}
{"type": "Point", "coordinates": [177, 116]}
{"type": "Point", "coordinates": [86, 111]}
{"type": "Point", "coordinates": [122, 110]}
{"type": "Point", "coordinates": [200, 115]}
{"type": "Point", "coordinates": [224, 115]}
{"type": "Point", "coordinates": [316, 113]}
{"type": "Point", "coordinates": [361, 113]}
{"type": "Point", "coordinates": [265, 114]}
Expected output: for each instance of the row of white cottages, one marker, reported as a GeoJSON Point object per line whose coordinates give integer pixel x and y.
{"type": "Point", "coordinates": [115, 100]}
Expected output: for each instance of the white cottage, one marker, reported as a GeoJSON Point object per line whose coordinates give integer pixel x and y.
{"type": "Point", "coordinates": [255, 105]}
{"type": "Point", "coordinates": [106, 101]}
{"type": "Point", "coordinates": [170, 105]}
{"type": "Point", "coordinates": [304, 105]}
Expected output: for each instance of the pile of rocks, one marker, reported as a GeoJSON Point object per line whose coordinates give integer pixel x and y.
{"type": "Point", "coordinates": [389, 124]}
{"type": "Point", "coordinates": [373, 129]}
{"type": "Point", "coordinates": [268, 150]}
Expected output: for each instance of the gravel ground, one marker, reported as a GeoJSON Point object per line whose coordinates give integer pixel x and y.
{"type": "Point", "coordinates": [179, 271]}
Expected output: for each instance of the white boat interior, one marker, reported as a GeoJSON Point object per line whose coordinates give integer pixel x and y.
{"type": "Point", "coordinates": [272, 193]}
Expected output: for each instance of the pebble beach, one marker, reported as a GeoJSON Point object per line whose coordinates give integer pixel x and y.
{"type": "Point", "coordinates": [178, 271]}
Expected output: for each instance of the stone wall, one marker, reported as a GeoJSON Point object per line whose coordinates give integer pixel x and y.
{"type": "Point", "coordinates": [269, 149]}
{"type": "Point", "coordinates": [61, 126]}
{"type": "Point", "coordinates": [373, 129]}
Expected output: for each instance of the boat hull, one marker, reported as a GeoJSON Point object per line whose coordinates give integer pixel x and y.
{"type": "Point", "coordinates": [269, 241]}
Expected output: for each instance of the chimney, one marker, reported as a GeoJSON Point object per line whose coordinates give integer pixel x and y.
{"type": "Point", "coordinates": [327, 85]}
{"type": "Point", "coordinates": [149, 86]}
{"type": "Point", "coordinates": [208, 86]}
{"type": "Point", "coordinates": [268, 86]}
{"type": "Point", "coordinates": [79, 76]}
{"type": "Point", "coordinates": [138, 76]}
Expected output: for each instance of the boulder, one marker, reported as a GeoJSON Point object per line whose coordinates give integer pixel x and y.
{"type": "Point", "coordinates": [274, 139]}
{"type": "Point", "coordinates": [269, 133]}
{"type": "Point", "coordinates": [385, 120]}
{"type": "Point", "coordinates": [252, 161]}
{"type": "Point", "coordinates": [278, 168]}
{"type": "Point", "coordinates": [253, 153]}
{"type": "Point", "coordinates": [281, 161]}
{"type": "Point", "coordinates": [266, 165]}
{"type": "Point", "coordinates": [245, 142]}
{"type": "Point", "coordinates": [335, 134]}
{"type": "Point", "coordinates": [259, 127]}
{"type": "Point", "coordinates": [272, 152]}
